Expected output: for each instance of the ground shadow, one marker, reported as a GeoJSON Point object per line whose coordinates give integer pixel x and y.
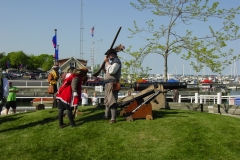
{"type": "Point", "coordinates": [96, 114]}
{"type": "Point", "coordinates": [31, 124]}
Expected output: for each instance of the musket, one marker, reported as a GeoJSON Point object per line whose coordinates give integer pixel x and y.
{"type": "Point", "coordinates": [103, 64]}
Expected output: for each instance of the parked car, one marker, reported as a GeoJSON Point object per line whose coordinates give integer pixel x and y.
{"type": "Point", "coordinates": [13, 75]}
{"type": "Point", "coordinates": [32, 76]}
{"type": "Point", "coordinates": [19, 75]}
{"type": "Point", "coordinates": [42, 75]}
{"type": "Point", "coordinates": [26, 75]}
{"type": "Point", "coordinates": [7, 75]}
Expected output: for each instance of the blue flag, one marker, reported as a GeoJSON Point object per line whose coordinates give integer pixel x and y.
{"type": "Point", "coordinates": [54, 41]}
{"type": "Point", "coordinates": [56, 54]}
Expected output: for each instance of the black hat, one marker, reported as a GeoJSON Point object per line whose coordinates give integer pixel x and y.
{"type": "Point", "coordinates": [112, 51]}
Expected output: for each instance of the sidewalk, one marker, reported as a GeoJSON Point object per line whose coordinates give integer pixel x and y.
{"type": "Point", "coordinates": [230, 115]}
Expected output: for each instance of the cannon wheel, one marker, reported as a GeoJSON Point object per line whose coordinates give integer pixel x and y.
{"type": "Point", "coordinates": [149, 117]}
{"type": "Point", "coordinates": [122, 113]}
{"type": "Point", "coordinates": [129, 118]}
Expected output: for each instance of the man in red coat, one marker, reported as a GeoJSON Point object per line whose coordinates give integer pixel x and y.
{"type": "Point", "coordinates": [69, 95]}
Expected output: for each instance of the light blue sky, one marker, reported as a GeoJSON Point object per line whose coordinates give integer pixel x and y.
{"type": "Point", "coordinates": [28, 25]}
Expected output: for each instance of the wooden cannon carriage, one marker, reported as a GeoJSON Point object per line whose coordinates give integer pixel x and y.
{"type": "Point", "coordinates": [139, 106]}
{"type": "Point", "coordinates": [151, 96]}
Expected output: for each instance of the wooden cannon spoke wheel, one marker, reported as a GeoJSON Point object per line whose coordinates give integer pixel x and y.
{"type": "Point", "coordinates": [122, 112]}
{"type": "Point", "coordinates": [149, 117]}
{"type": "Point", "coordinates": [129, 118]}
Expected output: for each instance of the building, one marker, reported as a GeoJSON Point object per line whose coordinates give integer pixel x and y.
{"type": "Point", "coordinates": [66, 63]}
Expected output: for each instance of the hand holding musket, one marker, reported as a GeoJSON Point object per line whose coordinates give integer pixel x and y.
{"type": "Point", "coordinates": [103, 64]}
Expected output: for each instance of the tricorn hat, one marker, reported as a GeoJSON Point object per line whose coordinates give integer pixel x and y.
{"type": "Point", "coordinates": [112, 51]}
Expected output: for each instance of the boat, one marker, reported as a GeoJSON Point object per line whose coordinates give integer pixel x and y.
{"type": "Point", "coordinates": [234, 87]}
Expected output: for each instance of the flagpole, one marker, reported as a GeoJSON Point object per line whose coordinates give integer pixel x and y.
{"type": "Point", "coordinates": [56, 53]}
{"type": "Point", "coordinates": [56, 56]}
{"type": "Point", "coordinates": [92, 56]}
{"type": "Point", "coordinates": [56, 60]}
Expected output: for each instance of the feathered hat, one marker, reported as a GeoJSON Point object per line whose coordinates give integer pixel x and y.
{"type": "Point", "coordinates": [118, 48]}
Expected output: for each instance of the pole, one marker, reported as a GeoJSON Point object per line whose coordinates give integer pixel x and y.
{"type": "Point", "coordinates": [92, 31]}
{"type": "Point", "coordinates": [219, 101]}
{"type": "Point", "coordinates": [93, 52]}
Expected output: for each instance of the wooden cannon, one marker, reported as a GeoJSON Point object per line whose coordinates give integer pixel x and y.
{"type": "Point", "coordinates": [152, 96]}
{"type": "Point", "coordinates": [137, 109]}
{"type": "Point", "coordinates": [139, 106]}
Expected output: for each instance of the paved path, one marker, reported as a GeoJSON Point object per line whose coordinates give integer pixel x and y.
{"type": "Point", "coordinates": [231, 115]}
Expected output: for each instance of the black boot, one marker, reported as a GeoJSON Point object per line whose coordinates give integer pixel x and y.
{"type": "Point", "coordinates": [60, 118]}
{"type": "Point", "coordinates": [70, 117]}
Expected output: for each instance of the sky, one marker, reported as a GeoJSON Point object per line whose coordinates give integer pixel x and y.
{"type": "Point", "coordinates": [28, 26]}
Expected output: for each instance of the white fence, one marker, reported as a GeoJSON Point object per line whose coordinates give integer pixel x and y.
{"type": "Point", "coordinates": [216, 99]}
{"type": "Point", "coordinates": [202, 99]}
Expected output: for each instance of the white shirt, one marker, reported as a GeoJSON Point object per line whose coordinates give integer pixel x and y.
{"type": "Point", "coordinates": [84, 97]}
{"type": "Point", "coordinates": [112, 69]}
{"type": "Point", "coordinates": [94, 100]}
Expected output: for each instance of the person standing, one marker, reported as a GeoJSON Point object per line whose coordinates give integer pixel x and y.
{"type": "Point", "coordinates": [84, 97]}
{"type": "Point", "coordinates": [68, 95]}
{"type": "Point", "coordinates": [95, 100]}
{"type": "Point", "coordinates": [175, 95]}
{"type": "Point", "coordinates": [112, 74]}
{"type": "Point", "coordinates": [53, 77]}
{"type": "Point", "coordinates": [11, 98]}
{"type": "Point", "coordinates": [129, 93]}
{"type": "Point", "coordinates": [4, 92]}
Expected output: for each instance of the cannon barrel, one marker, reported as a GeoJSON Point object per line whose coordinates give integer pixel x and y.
{"type": "Point", "coordinates": [166, 85]}
{"type": "Point", "coordinates": [147, 100]}
{"type": "Point", "coordinates": [123, 104]}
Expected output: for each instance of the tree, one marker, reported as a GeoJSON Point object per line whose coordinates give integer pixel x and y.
{"type": "Point", "coordinates": [2, 62]}
{"type": "Point", "coordinates": [165, 39]}
{"type": "Point", "coordinates": [17, 58]}
{"type": "Point", "coordinates": [132, 70]}
{"type": "Point", "coordinates": [33, 62]}
{"type": "Point", "coordinates": [45, 61]}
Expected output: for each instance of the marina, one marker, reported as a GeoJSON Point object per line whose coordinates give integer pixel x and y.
{"type": "Point", "coordinates": [32, 93]}
{"type": "Point", "coordinates": [185, 96]}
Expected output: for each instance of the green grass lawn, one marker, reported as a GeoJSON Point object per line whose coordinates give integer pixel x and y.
{"type": "Point", "coordinates": [171, 135]}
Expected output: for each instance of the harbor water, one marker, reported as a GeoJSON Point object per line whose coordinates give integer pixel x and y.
{"type": "Point", "coordinates": [235, 92]}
